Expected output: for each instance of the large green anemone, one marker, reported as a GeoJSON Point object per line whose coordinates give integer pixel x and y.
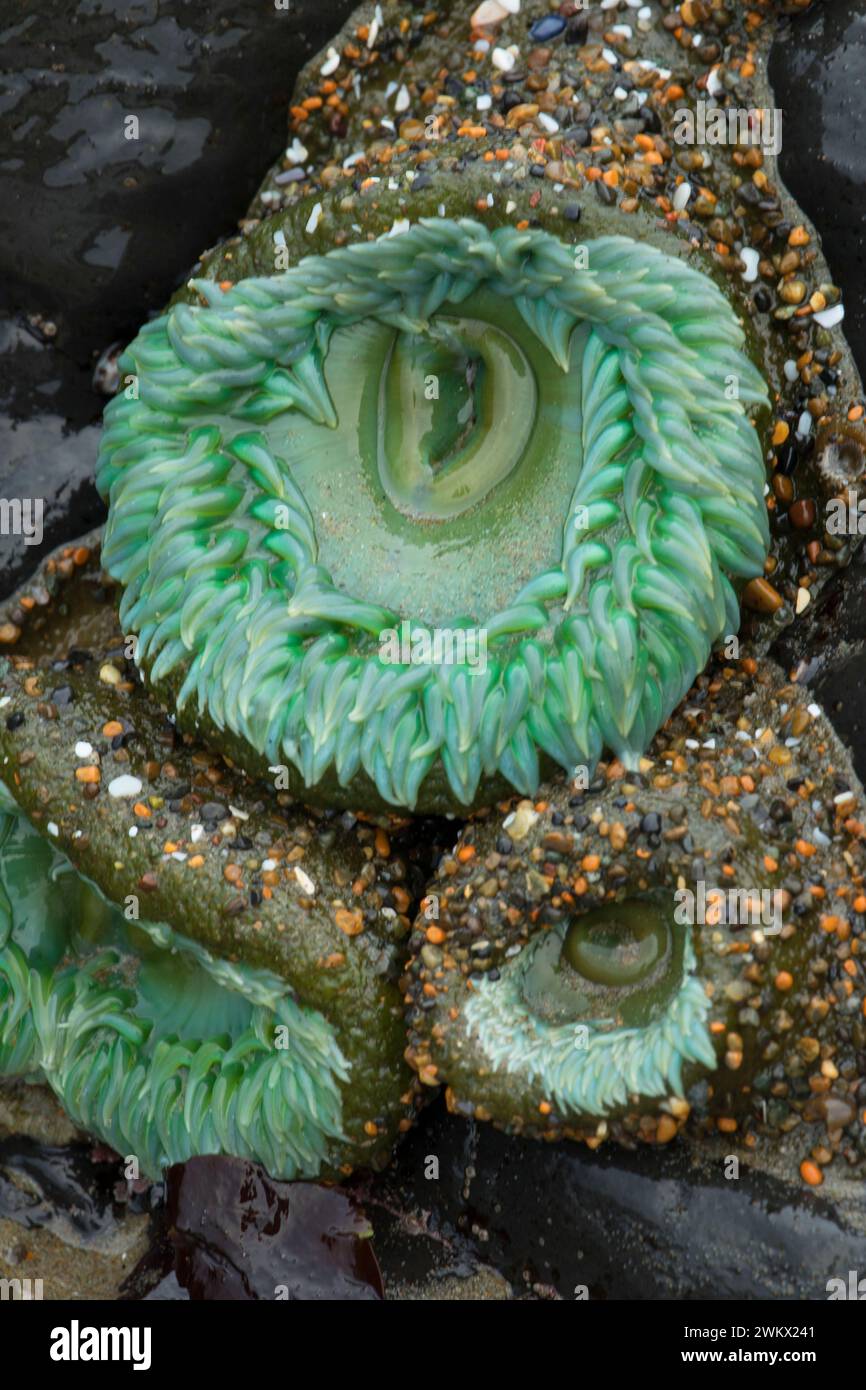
{"type": "Point", "coordinates": [538, 458]}
{"type": "Point", "coordinates": [676, 942]}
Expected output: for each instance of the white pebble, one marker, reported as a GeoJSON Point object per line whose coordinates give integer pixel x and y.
{"type": "Point", "coordinates": [547, 122]}
{"type": "Point", "coordinates": [804, 425]}
{"type": "Point", "coordinates": [195, 833]}
{"type": "Point", "coordinates": [620, 93]}
{"type": "Point", "coordinates": [132, 832]}
{"type": "Point", "coordinates": [624, 30]}
{"type": "Point", "coordinates": [610, 57]}
{"type": "Point", "coordinates": [83, 750]}
{"type": "Point", "coordinates": [483, 103]}
{"type": "Point", "coordinates": [512, 6]}
{"type": "Point", "coordinates": [804, 598]}
{"type": "Point", "coordinates": [297, 152]}
{"type": "Point", "coordinates": [790, 370]}
{"type": "Point", "coordinates": [750, 258]}
{"type": "Point", "coordinates": [402, 102]}
{"type": "Point", "coordinates": [828, 318]}
{"type": "Point", "coordinates": [305, 881]}
{"type": "Point", "coordinates": [125, 785]}
{"type": "Point", "coordinates": [681, 196]}
{"type": "Point", "coordinates": [714, 83]}
{"type": "Point", "coordinates": [52, 828]}
{"type": "Point", "coordinates": [331, 63]}
{"type": "Point", "coordinates": [488, 12]}
{"type": "Point", "coordinates": [644, 12]}
{"type": "Point", "coordinates": [503, 59]}
{"type": "Point", "coordinates": [313, 219]}
{"type": "Point", "coordinates": [814, 710]}
{"type": "Point", "coordinates": [268, 865]}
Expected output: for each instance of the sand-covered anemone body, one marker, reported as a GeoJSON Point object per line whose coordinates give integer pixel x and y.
{"type": "Point", "coordinates": [192, 964]}
{"type": "Point", "coordinates": [677, 945]}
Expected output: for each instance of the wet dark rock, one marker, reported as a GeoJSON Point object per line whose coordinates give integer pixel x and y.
{"type": "Point", "coordinates": [67, 1189]}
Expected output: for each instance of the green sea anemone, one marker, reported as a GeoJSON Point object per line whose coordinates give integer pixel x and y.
{"type": "Point", "coordinates": [265, 1020]}
{"type": "Point", "coordinates": [671, 942]}
{"type": "Point", "coordinates": [562, 423]}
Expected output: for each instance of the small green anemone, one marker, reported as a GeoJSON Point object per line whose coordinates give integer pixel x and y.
{"type": "Point", "coordinates": [670, 944]}
{"type": "Point", "coordinates": [455, 431]}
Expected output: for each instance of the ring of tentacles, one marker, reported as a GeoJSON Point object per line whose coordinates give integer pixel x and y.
{"type": "Point", "coordinates": [274, 428]}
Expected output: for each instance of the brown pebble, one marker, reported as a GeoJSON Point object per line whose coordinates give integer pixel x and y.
{"type": "Point", "coordinates": [802, 514]}
{"type": "Point", "coordinates": [518, 115]}
{"type": "Point", "coordinates": [792, 291]}
{"type": "Point", "coordinates": [783, 487]}
{"type": "Point", "coordinates": [761, 597]}
{"type": "Point", "coordinates": [9, 633]}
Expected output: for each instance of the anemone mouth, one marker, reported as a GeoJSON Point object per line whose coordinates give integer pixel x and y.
{"type": "Point", "coordinates": [599, 1010]}
{"type": "Point", "coordinates": [580, 488]}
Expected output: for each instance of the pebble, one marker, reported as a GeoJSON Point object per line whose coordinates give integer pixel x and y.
{"type": "Point", "coordinates": [313, 219]}
{"type": "Point", "coordinates": [802, 514]}
{"type": "Point", "coordinates": [331, 63]}
{"type": "Point", "coordinates": [550, 27]}
{"type": "Point", "coordinates": [503, 59]}
{"type": "Point", "coordinates": [489, 12]}
{"type": "Point", "coordinates": [750, 258]}
{"type": "Point", "coordinates": [761, 597]}
{"type": "Point", "coordinates": [828, 318]}
{"type": "Point", "coordinates": [804, 425]}
{"type": "Point", "coordinates": [125, 785]}
{"type": "Point", "coordinates": [681, 196]}
{"type": "Point", "coordinates": [520, 822]}
{"type": "Point", "coordinates": [83, 750]}
{"type": "Point", "coordinates": [306, 882]}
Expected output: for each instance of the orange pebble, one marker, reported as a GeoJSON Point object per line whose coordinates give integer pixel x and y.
{"type": "Point", "coordinates": [811, 1173]}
